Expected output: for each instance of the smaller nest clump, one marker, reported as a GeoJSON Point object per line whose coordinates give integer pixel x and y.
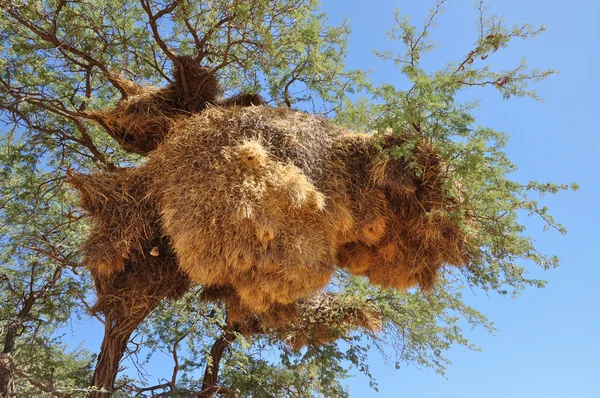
{"type": "Point", "coordinates": [242, 99]}
{"type": "Point", "coordinates": [194, 85]}
{"type": "Point", "coordinates": [141, 120]}
{"type": "Point", "coordinates": [132, 264]}
{"type": "Point", "coordinates": [124, 217]}
{"type": "Point", "coordinates": [318, 319]}
{"type": "Point", "coordinates": [411, 227]}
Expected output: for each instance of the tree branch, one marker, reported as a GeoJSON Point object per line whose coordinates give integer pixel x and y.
{"type": "Point", "coordinates": [152, 19]}
{"type": "Point", "coordinates": [59, 44]}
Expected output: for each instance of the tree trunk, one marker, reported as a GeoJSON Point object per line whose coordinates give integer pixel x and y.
{"type": "Point", "coordinates": [7, 386]}
{"type": "Point", "coordinates": [111, 352]}
{"type": "Point", "coordinates": [126, 299]}
{"type": "Point", "coordinates": [7, 383]}
{"type": "Point", "coordinates": [211, 374]}
{"type": "Point", "coordinates": [114, 344]}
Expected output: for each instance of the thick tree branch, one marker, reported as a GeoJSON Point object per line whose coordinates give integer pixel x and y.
{"type": "Point", "coordinates": [211, 374]}
{"type": "Point", "coordinates": [201, 45]}
{"type": "Point", "coordinates": [152, 20]}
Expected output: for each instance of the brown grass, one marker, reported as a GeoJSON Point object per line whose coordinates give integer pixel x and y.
{"type": "Point", "coordinates": [132, 264]}
{"type": "Point", "coordinates": [264, 203]}
{"type": "Point", "coordinates": [267, 200]}
{"type": "Point", "coordinates": [142, 119]}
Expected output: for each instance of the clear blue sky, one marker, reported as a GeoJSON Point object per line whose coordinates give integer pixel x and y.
{"type": "Point", "coordinates": [547, 344]}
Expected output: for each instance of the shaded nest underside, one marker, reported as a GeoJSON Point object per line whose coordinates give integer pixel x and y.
{"type": "Point", "coordinates": [144, 281]}
{"type": "Point", "coordinates": [320, 318]}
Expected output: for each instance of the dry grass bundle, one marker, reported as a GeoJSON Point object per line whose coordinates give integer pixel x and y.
{"type": "Point", "coordinates": [238, 196]}
{"type": "Point", "coordinates": [142, 119]}
{"type": "Point", "coordinates": [133, 266]}
{"type": "Point", "coordinates": [326, 317]}
{"type": "Point", "coordinates": [124, 216]}
{"type": "Point", "coordinates": [410, 233]}
{"type": "Point", "coordinates": [194, 85]}
{"type": "Point", "coordinates": [267, 200]}
{"type": "Point", "coordinates": [262, 203]}
{"type": "Point", "coordinates": [318, 319]}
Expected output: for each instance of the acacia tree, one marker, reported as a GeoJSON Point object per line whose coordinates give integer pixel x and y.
{"type": "Point", "coordinates": [60, 59]}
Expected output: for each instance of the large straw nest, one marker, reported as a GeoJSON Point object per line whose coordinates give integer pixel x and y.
{"type": "Point", "coordinates": [261, 203]}
{"type": "Point", "coordinates": [238, 197]}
